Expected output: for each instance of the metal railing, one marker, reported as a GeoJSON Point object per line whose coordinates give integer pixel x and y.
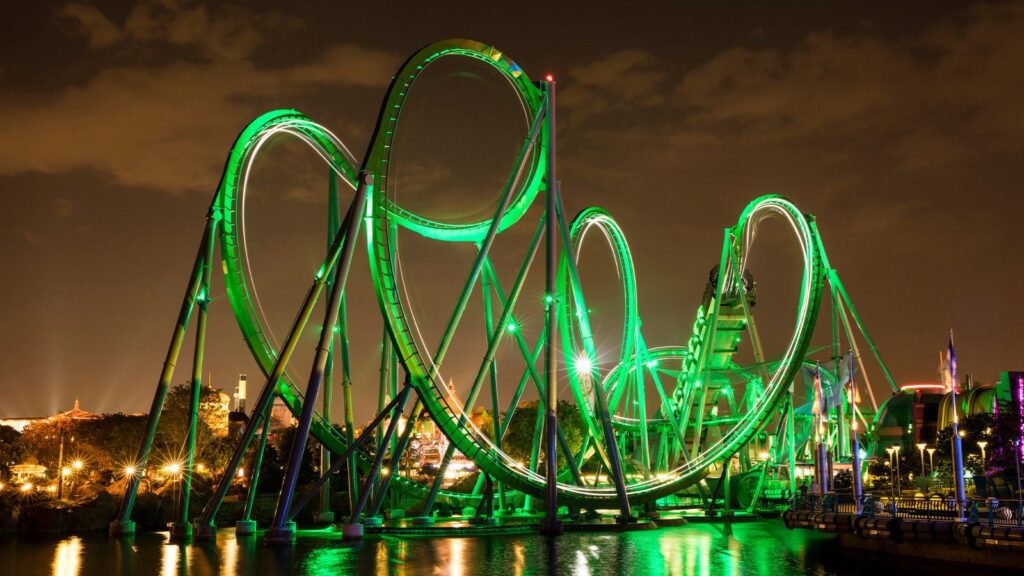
{"type": "Point", "coordinates": [984, 511]}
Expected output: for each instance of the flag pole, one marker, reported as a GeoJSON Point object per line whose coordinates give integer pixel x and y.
{"type": "Point", "coordinates": [958, 456]}
{"type": "Point", "coordinates": [858, 483]}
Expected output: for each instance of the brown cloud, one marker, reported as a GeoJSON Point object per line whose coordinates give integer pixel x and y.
{"type": "Point", "coordinates": [926, 97]}
{"type": "Point", "coordinates": [623, 79]}
{"type": "Point", "coordinates": [151, 126]}
{"type": "Point", "coordinates": [92, 23]}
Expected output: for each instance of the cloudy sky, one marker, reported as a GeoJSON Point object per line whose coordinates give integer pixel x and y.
{"type": "Point", "coordinates": [900, 126]}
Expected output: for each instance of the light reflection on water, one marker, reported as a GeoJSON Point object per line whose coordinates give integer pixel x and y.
{"type": "Point", "coordinates": [67, 557]}
{"type": "Point", "coordinates": [762, 548]}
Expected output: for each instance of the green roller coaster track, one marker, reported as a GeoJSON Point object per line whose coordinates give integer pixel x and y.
{"type": "Point", "coordinates": [698, 422]}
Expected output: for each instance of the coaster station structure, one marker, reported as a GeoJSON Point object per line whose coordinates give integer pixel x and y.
{"type": "Point", "coordinates": [658, 422]}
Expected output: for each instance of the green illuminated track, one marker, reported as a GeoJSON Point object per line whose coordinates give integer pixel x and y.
{"type": "Point", "coordinates": [668, 448]}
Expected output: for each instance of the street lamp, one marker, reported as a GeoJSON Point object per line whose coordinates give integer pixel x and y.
{"type": "Point", "coordinates": [584, 365]}
{"type": "Point", "coordinates": [931, 460]}
{"type": "Point", "coordinates": [896, 449]}
{"type": "Point", "coordinates": [892, 484]}
{"type": "Point", "coordinates": [982, 444]}
{"type": "Point", "coordinates": [1016, 458]}
{"type": "Point", "coordinates": [920, 446]}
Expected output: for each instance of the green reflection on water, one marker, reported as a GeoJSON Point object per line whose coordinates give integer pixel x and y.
{"type": "Point", "coordinates": [761, 548]}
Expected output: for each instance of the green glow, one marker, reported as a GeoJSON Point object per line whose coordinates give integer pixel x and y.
{"type": "Point", "coordinates": [623, 379]}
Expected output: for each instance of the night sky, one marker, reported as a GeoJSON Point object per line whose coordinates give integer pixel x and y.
{"type": "Point", "coordinates": [900, 126]}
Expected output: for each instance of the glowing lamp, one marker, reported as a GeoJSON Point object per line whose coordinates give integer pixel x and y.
{"type": "Point", "coordinates": [77, 464]}
{"type": "Point", "coordinates": [65, 471]}
{"type": "Point", "coordinates": [583, 364]}
{"type": "Point", "coordinates": [129, 470]}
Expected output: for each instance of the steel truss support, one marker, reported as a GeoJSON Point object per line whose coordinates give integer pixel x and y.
{"type": "Point", "coordinates": [182, 530]}
{"type": "Point", "coordinates": [205, 528]}
{"type": "Point", "coordinates": [246, 525]}
{"type": "Point", "coordinates": [353, 220]}
{"type": "Point", "coordinates": [551, 525]}
{"type": "Point", "coordinates": [342, 459]}
{"type": "Point", "coordinates": [396, 457]}
{"type": "Point", "coordinates": [123, 524]}
{"type": "Point", "coordinates": [613, 461]}
{"type": "Point", "coordinates": [378, 460]}
{"type": "Point", "coordinates": [324, 512]}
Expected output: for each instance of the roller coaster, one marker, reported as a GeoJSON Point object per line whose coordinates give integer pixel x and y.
{"type": "Point", "coordinates": [659, 421]}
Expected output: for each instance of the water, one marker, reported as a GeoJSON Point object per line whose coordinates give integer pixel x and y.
{"type": "Point", "coordinates": [759, 548]}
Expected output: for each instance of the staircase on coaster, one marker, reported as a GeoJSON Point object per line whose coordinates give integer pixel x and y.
{"type": "Point", "coordinates": [703, 382]}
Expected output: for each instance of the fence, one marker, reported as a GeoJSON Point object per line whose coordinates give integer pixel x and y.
{"type": "Point", "coordinates": [985, 511]}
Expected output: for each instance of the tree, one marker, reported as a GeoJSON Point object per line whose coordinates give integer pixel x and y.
{"type": "Point", "coordinates": [1009, 424]}
{"type": "Point", "coordinates": [973, 429]}
{"type": "Point", "coordinates": [211, 449]}
{"type": "Point", "coordinates": [309, 470]}
{"type": "Point", "coordinates": [41, 441]}
{"type": "Point", "coordinates": [111, 441]}
{"type": "Point", "coordinates": [843, 481]}
{"type": "Point", "coordinates": [10, 449]}
{"type": "Point", "coordinates": [519, 436]}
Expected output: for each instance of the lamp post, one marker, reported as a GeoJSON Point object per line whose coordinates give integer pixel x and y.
{"type": "Point", "coordinates": [896, 450]}
{"type": "Point", "coordinates": [892, 469]}
{"type": "Point", "coordinates": [931, 460]}
{"type": "Point", "coordinates": [1016, 457]}
{"type": "Point", "coordinates": [921, 446]}
{"type": "Point", "coordinates": [858, 482]}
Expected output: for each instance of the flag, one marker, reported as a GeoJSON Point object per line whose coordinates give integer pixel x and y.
{"type": "Point", "coordinates": [849, 373]}
{"type": "Point", "coordinates": [816, 407]}
{"type": "Point", "coordinates": [951, 359]}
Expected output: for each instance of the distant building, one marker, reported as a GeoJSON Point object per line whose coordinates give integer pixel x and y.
{"type": "Point", "coordinates": [21, 473]}
{"type": "Point", "coordinates": [240, 392]}
{"type": "Point", "coordinates": [76, 413]}
{"type": "Point", "coordinates": [281, 416]}
{"type": "Point", "coordinates": [918, 412]}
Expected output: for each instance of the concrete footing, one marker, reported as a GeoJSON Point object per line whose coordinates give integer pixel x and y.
{"type": "Point", "coordinates": [203, 532]}
{"type": "Point", "coordinates": [122, 528]}
{"type": "Point", "coordinates": [469, 511]}
{"type": "Point", "coordinates": [282, 535]}
{"type": "Point", "coordinates": [352, 531]}
{"type": "Point", "coordinates": [484, 520]}
{"type": "Point", "coordinates": [551, 527]}
{"type": "Point", "coordinates": [373, 521]}
{"type": "Point", "coordinates": [180, 532]}
{"type": "Point", "coordinates": [325, 517]}
{"type": "Point", "coordinates": [245, 528]}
